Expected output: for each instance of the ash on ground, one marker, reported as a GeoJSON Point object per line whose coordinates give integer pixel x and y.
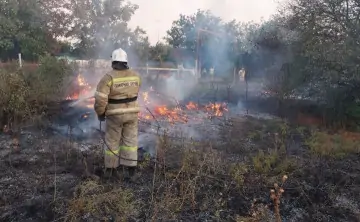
{"type": "Point", "coordinates": [208, 168]}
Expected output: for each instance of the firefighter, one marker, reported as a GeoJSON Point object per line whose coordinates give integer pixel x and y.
{"type": "Point", "coordinates": [116, 99]}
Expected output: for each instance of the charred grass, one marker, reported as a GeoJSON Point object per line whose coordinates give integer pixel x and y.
{"type": "Point", "coordinates": [262, 170]}
{"type": "Point", "coordinates": [259, 170]}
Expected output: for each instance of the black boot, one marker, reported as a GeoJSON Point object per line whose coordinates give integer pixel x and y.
{"type": "Point", "coordinates": [112, 173]}
{"type": "Point", "coordinates": [131, 174]}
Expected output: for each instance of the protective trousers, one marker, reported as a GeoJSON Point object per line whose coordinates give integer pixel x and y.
{"type": "Point", "coordinates": [121, 137]}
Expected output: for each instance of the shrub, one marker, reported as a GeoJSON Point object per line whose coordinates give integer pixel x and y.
{"type": "Point", "coordinates": [25, 95]}
{"type": "Point", "coordinates": [334, 145]}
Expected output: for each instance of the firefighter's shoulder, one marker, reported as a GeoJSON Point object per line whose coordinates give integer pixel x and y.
{"type": "Point", "coordinates": [106, 79]}
{"type": "Point", "coordinates": [108, 76]}
{"type": "Point", "coordinates": [133, 72]}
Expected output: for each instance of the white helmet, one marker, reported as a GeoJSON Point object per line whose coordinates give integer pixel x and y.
{"type": "Point", "coordinates": [119, 55]}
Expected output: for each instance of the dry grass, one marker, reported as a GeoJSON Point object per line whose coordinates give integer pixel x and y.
{"type": "Point", "coordinates": [235, 180]}
{"type": "Point", "coordinates": [94, 200]}
{"type": "Point", "coordinates": [179, 183]}
{"type": "Point", "coordinates": [334, 145]}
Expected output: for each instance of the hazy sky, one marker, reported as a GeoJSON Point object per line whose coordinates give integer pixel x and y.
{"type": "Point", "coordinates": [156, 16]}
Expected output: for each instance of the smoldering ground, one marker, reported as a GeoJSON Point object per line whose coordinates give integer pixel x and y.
{"type": "Point", "coordinates": [174, 95]}
{"type": "Point", "coordinates": [50, 177]}
{"type": "Point", "coordinates": [230, 159]}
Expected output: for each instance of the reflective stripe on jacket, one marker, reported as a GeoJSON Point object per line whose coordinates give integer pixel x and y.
{"type": "Point", "coordinates": [117, 85]}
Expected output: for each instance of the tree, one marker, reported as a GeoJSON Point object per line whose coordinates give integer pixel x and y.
{"type": "Point", "coordinates": [328, 49]}
{"type": "Point", "coordinates": [207, 37]}
{"type": "Point", "coordinates": [34, 27]}
{"type": "Point", "coordinates": [23, 28]}
{"type": "Point", "coordinates": [101, 26]}
{"type": "Point", "coordinates": [160, 53]}
{"type": "Point", "coordinates": [139, 48]}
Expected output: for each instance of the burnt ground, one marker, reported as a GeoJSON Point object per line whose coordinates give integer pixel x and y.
{"type": "Point", "coordinates": [52, 176]}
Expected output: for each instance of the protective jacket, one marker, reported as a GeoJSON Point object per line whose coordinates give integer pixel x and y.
{"type": "Point", "coordinates": [117, 93]}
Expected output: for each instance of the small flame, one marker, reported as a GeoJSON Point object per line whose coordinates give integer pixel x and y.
{"type": "Point", "coordinates": [146, 97]}
{"type": "Point", "coordinates": [217, 108]}
{"type": "Point", "coordinates": [191, 106]}
{"type": "Point", "coordinates": [82, 86]}
{"type": "Point", "coordinates": [162, 110]}
{"type": "Point", "coordinates": [171, 114]}
{"type": "Point", "coordinates": [81, 81]}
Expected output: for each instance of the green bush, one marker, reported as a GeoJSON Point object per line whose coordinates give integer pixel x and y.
{"type": "Point", "coordinates": [25, 95]}
{"type": "Point", "coordinates": [50, 81]}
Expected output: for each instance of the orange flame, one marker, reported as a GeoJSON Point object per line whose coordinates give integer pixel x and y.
{"type": "Point", "coordinates": [174, 114]}
{"type": "Point", "coordinates": [82, 86]}
{"type": "Point", "coordinates": [191, 106]}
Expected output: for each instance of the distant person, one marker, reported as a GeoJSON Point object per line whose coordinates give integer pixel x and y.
{"type": "Point", "coordinates": [204, 73]}
{"type": "Point", "coordinates": [212, 73]}
{"type": "Point", "coordinates": [180, 71]}
{"type": "Point", "coordinates": [116, 99]}
{"type": "Point", "coordinates": [242, 74]}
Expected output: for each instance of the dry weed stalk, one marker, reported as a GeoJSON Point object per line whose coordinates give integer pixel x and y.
{"type": "Point", "coordinates": [275, 195]}
{"type": "Point", "coordinates": [55, 176]}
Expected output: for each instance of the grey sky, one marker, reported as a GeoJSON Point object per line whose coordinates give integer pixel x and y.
{"type": "Point", "coordinates": [156, 16]}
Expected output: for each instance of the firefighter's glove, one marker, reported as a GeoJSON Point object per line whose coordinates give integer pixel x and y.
{"type": "Point", "coordinates": [101, 118]}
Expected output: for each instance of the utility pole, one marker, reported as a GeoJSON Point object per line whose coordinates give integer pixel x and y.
{"type": "Point", "coordinates": [197, 62]}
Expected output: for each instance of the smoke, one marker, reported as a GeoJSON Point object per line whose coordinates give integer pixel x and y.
{"type": "Point", "coordinates": [149, 142]}
{"type": "Point", "coordinates": [221, 46]}
{"type": "Point", "coordinates": [180, 89]}
{"type": "Point", "coordinates": [83, 97]}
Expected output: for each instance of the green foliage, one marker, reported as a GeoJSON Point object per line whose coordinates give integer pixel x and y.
{"type": "Point", "coordinates": [264, 163]}
{"type": "Point", "coordinates": [101, 26]}
{"type": "Point", "coordinates": [14, 94]}
{"type": "Point", "coordinates": [216, 43]}
{"type": "Point", "coordinates": [334, 146]}
{"type": "Point", "coordinates": [160, 53]}
{"type": "Point", "coordinates": [353, 111]}
{"type": "Point", "coordinates": [25, 95]}
{"type": "Point", "coordinates": [326, 50]}
{"type": "Point", "coordinates": [31, 27]}
{"type": "Point", "coordinates": [21, 30]}
{"type": "Point", "coordinates": [272, 163]}
{"type": "Point", "coordinates": [237, 172]}
{"type": "Point", "coordinates": [51, 79]}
